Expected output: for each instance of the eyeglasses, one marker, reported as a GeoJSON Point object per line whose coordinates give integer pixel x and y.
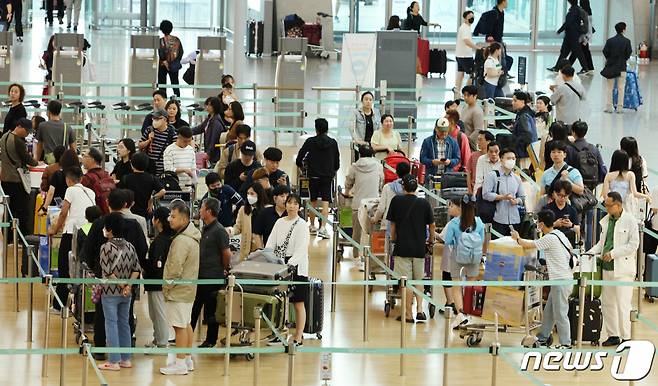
{"type": "Point", "coordinates": [562, 195]}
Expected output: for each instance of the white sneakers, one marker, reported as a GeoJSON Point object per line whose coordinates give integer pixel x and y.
{"type": "Point", "coordinates": [178, 367]}
{"type": "Point", "coordinates": [459, 320]}
{"type": "Point", "coordinates": [312, 230]}
{"type": "Point", "coordinates": [323, 234]}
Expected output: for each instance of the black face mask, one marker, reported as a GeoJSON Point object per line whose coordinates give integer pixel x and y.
{"type": "Point", "coordinates": [215, 192]}
{"type": "Point", "coordinates": [471, 20]}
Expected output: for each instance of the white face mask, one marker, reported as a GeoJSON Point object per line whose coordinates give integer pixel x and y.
{"type": "Point", "coordinates": [509, 164]}
{"type": "Point", "coordinates": [105, 234]}
{"type": "Point", "coordinates": [252, 199]}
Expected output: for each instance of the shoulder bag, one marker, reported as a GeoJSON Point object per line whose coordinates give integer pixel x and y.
{"type": "Point", "coordinates": [571, 256]}
{"type": "Point", "coordinates": [50, 157]}
{"type": "Point", "coordinates": [281, 250]}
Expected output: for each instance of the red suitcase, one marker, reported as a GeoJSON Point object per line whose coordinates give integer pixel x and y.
{"type": "Point", "coordinates": [474, 300]}
{"type": "Point", "coordinates": [313, 32]}
{"type": "Point", "coordinates": [393, 160]}
{"type": "Point", "coordinates": [423, 64]}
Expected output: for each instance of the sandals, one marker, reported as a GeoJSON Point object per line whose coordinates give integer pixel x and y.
{"type": "Point", "coordinates": [109, 366]}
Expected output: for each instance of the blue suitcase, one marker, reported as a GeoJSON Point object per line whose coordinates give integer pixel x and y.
{"type": "Point", "coordinates": [632, 96]}
{"type": "Point", "coordinates": [651, 274]}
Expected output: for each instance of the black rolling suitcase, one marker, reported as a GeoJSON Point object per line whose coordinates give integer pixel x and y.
{"type": "Point", "coordinates": [592, 322]}
{"type": "Point", "coordinates": [254, 38]}
{"type": "Point", "coordinates": [314, 308]}
{"type": "Point", "coordinates": [438, 61]}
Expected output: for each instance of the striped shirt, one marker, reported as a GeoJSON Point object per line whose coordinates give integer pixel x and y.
{"type": "Point", "coordinates": [554, 245]}
{"type": "Point", "coordinates": [440, 154]}
{"type": "Point", "coordinates": [118, 257]}
{"type": "Point", "coordinates": [176, 157]}
{"type": "Point", "coordinates": [161, 140]}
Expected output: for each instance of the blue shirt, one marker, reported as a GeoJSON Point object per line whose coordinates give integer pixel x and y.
{"type": "Point", "coordinates": [453, 232]}
{"type": "Point", "coordinates": [549, 175]}
{"type": "Point", "coordinates": [506, 212]}
{"type": "Point", "coordinates": [228, 198]}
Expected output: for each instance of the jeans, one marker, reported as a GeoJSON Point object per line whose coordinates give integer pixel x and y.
{"type": "Point", "coordinates": [556, 313]}
{"type": "Point", "coordinates": [158, 318]}
{"type": "Point", "coordinates": [99, 320]}
{"type": "Point", "coordinates": [206, 297]}
{"type": "Point", "coordinates": [620, 83]}
{"type": "Point", "coordinates": [491, 91]}
{"type": "Point", "coordinates": [117, 328]}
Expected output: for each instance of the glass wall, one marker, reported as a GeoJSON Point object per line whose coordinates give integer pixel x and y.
{"type": "Point", "coordinates": [551, 16]}
{"type": "Point", "coordinates": [186, 13]}
{"type": "Point", "coordinates": [517, 18]}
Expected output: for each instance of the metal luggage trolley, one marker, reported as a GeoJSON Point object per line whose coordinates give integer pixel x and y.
{"type": "Point", "coordinates": [392, 293]}
{"type": "Point", "coordinates": [343, 213]}
{"type": "Point", "coordinates": [532, 310]}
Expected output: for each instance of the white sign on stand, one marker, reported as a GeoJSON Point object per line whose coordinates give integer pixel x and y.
{"type": "Point", "coordinates": [325, 366]}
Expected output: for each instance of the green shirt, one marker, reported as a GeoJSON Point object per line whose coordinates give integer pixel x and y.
{"type": "Point", "coordinates": [609, 244]}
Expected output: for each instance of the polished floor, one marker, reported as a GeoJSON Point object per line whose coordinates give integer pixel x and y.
{"type": "Point", "coordinates": [344, 327]}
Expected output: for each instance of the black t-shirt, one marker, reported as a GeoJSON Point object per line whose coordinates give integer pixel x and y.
{"type": "Point", "coordinates": [144, 185]}
{"type": "Point", "coordinates": [411, 216]}
{"type": "Point", "coordinates": [264, 222]}
{"type": "Point", "coordinates": [370, 128]}
{"type": "Point", "coordinates": [567, 210]}
{"type": "Point", "coordinates": [58, 181]}
{"type": "Point", "coordinates": [232, 175]}
{"type": "Point", "coordinates": [122, 169]}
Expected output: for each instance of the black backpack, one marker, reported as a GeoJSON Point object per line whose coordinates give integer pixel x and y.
{"type": "Point", "coordinates": [587, 164]}
{"type": "Point", "coordinates": [169, 181]}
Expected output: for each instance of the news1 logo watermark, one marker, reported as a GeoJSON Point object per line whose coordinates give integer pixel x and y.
{"type": "Point", "coordinates": [639, 360]}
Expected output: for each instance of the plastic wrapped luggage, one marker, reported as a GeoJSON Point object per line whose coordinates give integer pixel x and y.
{"type": "Point", "coordinates": [586, 267]}
{"type": "Point", "coordinates": [506, 260]}
{"type": "Point", "coordinates": [651, 274]}
{"type": "Point", "coordinates": [632, 95]}
{"type": "Point", "coordinates": [312, 32]}
{"type": "Point", "coordinates": [474, 300]}
{"type": "Point", "coordinates": [393, 160]}
{"type": "Point", "coordinates": [314, 306]}
{"type": "Point", "coordinates": [254, 38]}
{"type": "Point", "coordinates": [423, 54]}
{"type": "Point", "coordinates": [257, 270]}
{"type": "Point", "coordinates": [273, 306]}
{"type": "Point", "coordinates": [507, 302]}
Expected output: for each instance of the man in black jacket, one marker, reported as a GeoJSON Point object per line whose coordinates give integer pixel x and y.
{"type": "Point", "coordinates": [214, 263]}
{"type": "Point", "coordinates": [91, 255]}
{"type": "Point", "coordinates": [575, 22]}
{"type": "Point", "coordinates": [321, 156]}
{"type": "Point", "coordinates": [492, 22]}
{"type": "Point", "coordinates": [617, 51]}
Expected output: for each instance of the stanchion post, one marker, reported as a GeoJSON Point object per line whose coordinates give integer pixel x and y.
{"type": "Point", "coordinates": [90, 138]}
{"type": "Point", "coordinates": [47, 279]}
{"type": "Point", "coordinates": [103, 151]}
{"type": "Point", "coordinates": [85, 362]}
{"type": "Point", "coordinates": [640, 267]}
{"type": "Point", "coordinates": [493, 350]}
{"type": "Point", "coordinates": [634, 318]}
{"type": "Point", "coordinates": [275, 101]}
{"type": "Point", "coordinates": [30, 313]}
{"type": "Point", "coordinates": [446, 342]}
{"type": "Point", "coordinates": [319, 105]}
{"type": "Point", "coordinates": [366, 290]}
{"type": "Point", "coordinates": [14, 231]}
{"type": "Point", "coordinates": [292, 350]}
{"type": "Point", "coordinates": [254, 89]}
{"type": "Point", "coordinates": [65, 325]}
{"type": "Point", "coordinates": [4, 200]}
{"type": "Point", "coordinates": [257, 311]}
{"type": "Point", "coordinates": [229, 323]}
{"type": "Point", "coordinates": [403, 320]}
{"type": "Point", "coordinates": [410, 126]}
{"type": "Point", "coordinates": [334, 264]}
{"type": "Point", "coordinates": [582, 284]}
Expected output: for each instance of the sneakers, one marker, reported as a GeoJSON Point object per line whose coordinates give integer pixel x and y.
{"type": "Point", "coordinates": [312, 230]}
{"type": "Point", "coordinates": [421, 317]}
{"type": "Point", "coordinates": [275, 342]}
{"type": "Point", "coordinates": [608, 110]}
{"type": "Point", "coordinates": [109, 366]}
{"type": "Point", "coordinates": [408, 320]}
{"type": "Point", "coordinates": [583, 72]}
{"type": "Point", "coordinates": [154, 345]}
{"type": "Point", "coordinates": [611, 341]}
{"type": "Point", "coordinates": [562, 347]}
{"type": "Point", "coordinates": [552, 69]}
{"type": "Point", "coordinates": [459, 320]}
{"type": "Point", "coordinates": [125, 364]}
{"type": "Point", "coordinates": [189, 363]}
{"type": "Point", "coordinates": [443, 310]}
{"type": "Point", "coordinates": [68, 26]}
{"type": "Point", "coordinates": [177, 368]}
{"type": "Point", "coordinates": [619, 111]}
{"type": "Point", "coordinates": [322, 233]}
{"type": "Point", "coordinates": [298, 344]}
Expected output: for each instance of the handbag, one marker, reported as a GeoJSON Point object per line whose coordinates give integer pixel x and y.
{"type": "Point", "coordinates": [487, 209]}
{"type": "Point", "coordinates": [23, 174]}
{"type": "Point", "coordinates": [609, 73]}
{"type": "Point", "coordinates": [280, 250]}
{"type": "Point", "coordinates": [188, 75]}
{"type": "Point", "coordinates": [583, 202]}
{"type": "Point", "coordinates": [649, 244]}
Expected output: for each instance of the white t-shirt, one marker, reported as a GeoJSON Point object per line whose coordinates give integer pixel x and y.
{"type": "Point", "coordinates": [79, 198]}
{"type": "Point", "coordinates": [297, 244]}
{"type": "Point", "coordinates": [464, 34]}
{"type": "Point", "coordinates": [654, 205]}
{"type": "Point", "coordinates": [393, 141]}
{"type": "Point", "coordinates": [176, 157]}
{"type": "Point", "coordinates": [557, 256]}
{"type": "Point", "coordinates": [491, 62]}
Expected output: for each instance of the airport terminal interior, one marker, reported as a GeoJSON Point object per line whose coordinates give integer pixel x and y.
{"type": "Point", "coordinates": [360, 344]}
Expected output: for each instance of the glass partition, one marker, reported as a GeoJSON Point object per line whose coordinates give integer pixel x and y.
{"type": "Point", "coordinates": [551, 15]}
{"type": "Point", "coordinates": [517, 19]}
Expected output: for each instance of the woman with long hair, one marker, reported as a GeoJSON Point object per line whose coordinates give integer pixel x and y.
{"type": "Point", "coordinates": [493, 70]}
{"type": "Point", "coordinates": [621, 180]}
{"type": "Point", "coordinates": [125, 150]}
{"type": "Point", "coordinates": [414, 20]}
{"type": "Point", "coordinates": [393, 23]}
{"type": "Point", "coordinates": [174, 114]}
{"type": "Point", "coordinates": [467, 222]}
{"type": "Point", "coordinates": [212, 128]}
{"type": "Point", "coordinates": [257, 200]}
{"type": "Point", "coordinates": [637, 164]}
{"type": "Point", "coordinates": [235, 115]}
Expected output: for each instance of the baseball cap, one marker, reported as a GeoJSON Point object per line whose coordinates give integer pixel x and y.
{"type": "Point", "coordinates": [248, 148]}
{"type": "Point", "coordinates": [158, 113]}
{"type": "Point", "coordinates": [443, 124]}
{"type": "Point", "coordinates": [25, 123]}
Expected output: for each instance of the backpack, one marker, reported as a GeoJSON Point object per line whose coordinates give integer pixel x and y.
{"type": "Point", "coordinates": [169, 181]}
{"type": "Point", "coordinates": [584, 21]}
{"type": "Point", "coordinates": [588, 165]}
{"type": "Point", "coordinates": [469, 250]}
{"type": "Point", "coordinates": [102, 184]}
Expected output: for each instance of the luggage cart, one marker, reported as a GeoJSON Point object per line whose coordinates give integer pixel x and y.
{"type": "Point", "coordinates": [378, 249]}
{"type": "Point", "coordinates": [343, 212]}
{"type": "Point", "coordinates": [473, 333]}
{"type": "Point", "coordinates": [392, 293]}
